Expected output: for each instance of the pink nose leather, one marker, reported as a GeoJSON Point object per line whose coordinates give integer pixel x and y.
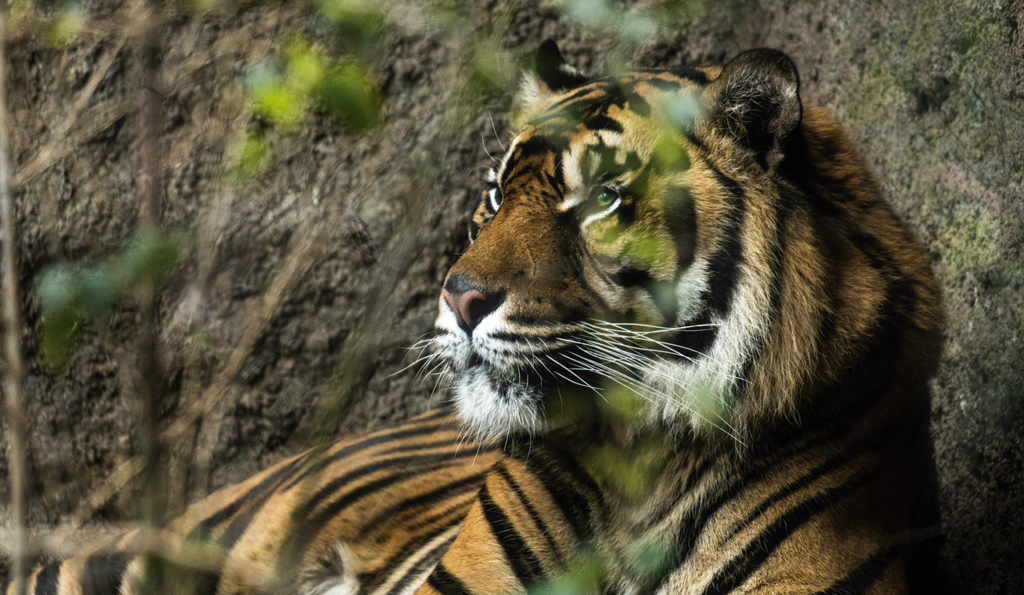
{"type": "Point", "coordinates": [459, 303]}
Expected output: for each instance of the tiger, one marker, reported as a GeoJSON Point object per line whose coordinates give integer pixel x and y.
{"type": "Point", "coordinates": [692, 273]}
{"type": "Point", "coordinates": [368, 514]}
{"type": "Point", "coordinates": [688, 352]}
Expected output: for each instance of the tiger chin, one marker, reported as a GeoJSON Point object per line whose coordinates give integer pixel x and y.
{"type": "Point", "coordinates": [701, 245]}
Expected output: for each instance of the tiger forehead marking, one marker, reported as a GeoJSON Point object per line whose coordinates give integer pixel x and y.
{"type": "Point", "coordinates": [617, 120]}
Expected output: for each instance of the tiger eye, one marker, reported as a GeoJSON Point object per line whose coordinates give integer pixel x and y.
{"type": "Point", "coordinates": [605, 198]}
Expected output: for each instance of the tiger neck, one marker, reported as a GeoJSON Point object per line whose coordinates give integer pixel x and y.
{"type": "Point", "coordinates": [647, 489]}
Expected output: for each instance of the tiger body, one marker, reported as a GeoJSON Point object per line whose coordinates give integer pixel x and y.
{"type": "Point", "coordinates": [369, 515]}
{"type": "Point", "coordinates": [691, 343]}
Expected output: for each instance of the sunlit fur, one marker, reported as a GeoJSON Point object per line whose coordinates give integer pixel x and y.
{"type": "Point", "coordinates": [370, 514]}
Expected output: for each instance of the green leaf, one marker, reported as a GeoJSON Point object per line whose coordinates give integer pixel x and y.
{"type": "Point", "coordinates": [58, 336]}
{"type": "Point", "coordinates": [349, 97]}
{"type": "Point", "coordinates": [60, 302]}
{"type": "Point", "coordinates": [65, 26]}
{"type": "Point", "coordinates": [149, 259]}
{"type": "Point", "coordinates": [98, 293]}
{"type": "Point", "coordinates": [253, 157]}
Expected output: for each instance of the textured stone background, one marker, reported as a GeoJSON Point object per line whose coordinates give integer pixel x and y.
{"type": "Point", "coordinates": [931, 90]}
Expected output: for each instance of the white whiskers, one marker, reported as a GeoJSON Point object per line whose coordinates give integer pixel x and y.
{"type": "Point", "coordinates": [647, 360]}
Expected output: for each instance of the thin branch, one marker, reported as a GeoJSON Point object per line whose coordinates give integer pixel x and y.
{"type": "Point", "coordinates": [151, 386]}
{"type": "Point", "coordinates": [13, 370]}
{"type": "Point", "coordinates": [58, 145]}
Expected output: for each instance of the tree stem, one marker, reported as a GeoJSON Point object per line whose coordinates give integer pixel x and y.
{"type": "Point", "coordinates": [13, 368]}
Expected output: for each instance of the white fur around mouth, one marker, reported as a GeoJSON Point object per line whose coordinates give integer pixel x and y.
{"type": "Point", "coordinates": [495, 405]}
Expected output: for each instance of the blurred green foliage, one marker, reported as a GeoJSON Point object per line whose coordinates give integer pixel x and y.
{"type": "Point", "coordinates": [304, 77]}
{"type": "Point", "coordinates": [587, 577]}
{"type": "Point", "coordinates": [634, 24]}
{"type": "Point", "coordinates": [356, 25]}
{"type": "Point", "coordinates": [65, 24]}
{"type": "Point", "coordinates": [71, 296]}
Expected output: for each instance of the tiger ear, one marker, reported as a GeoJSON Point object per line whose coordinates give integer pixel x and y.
{"type": "Point", "coordinates": [551, 76]}
{"type": "Point", "coordinates": [756, 100]}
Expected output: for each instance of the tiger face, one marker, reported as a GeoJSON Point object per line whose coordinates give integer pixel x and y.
{"type": "Point", "coordinates": [655, 232]}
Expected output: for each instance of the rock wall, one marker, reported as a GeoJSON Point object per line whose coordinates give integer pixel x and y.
{"type": "Point", "coordinates": [341, 242]}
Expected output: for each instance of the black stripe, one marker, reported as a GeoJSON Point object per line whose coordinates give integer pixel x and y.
{"type": "Point", "coordinates": [691, 73]}
{"type": "Point", "coordinates": [445, 582]}
{"type": "Point", "coordinates": [317, 521]}
{"type": "Point", "coordinates": [724, 263]}
{"type": "Point", "coordinates": [662, 293]}
{"type": "Point", "coordinates": [662, 84]}
{"type": "Point", "coordinates": [368, 581]}
{"type": "Point", "coordinates": [207, 582]}
{"type": "Point", "coordinates": [697, 340]}
{"type": "Point", "coordinates": [46, 580]}
{"type": "Point", "coordinates": [568, 492]}
{"type": "Point", "coordinates": [456, 509]}
{"type": "Point", "coordinates": [305, 528]}
{"type": "Point", "coordinates": [864, 576]}
{"type": "Point", "coordinates": [681, 221]}
{"type": "Point", "coordinates": [762, 546]}
{"type": "Point", "coordinates": [689, 483]}
{"type": "Point", "coordinates": [530, 510]}
{"type": "Point", "coordinates": [103, 573]}
{"type": "Point", "coordinates": [411, 463]}
{"type": "Point", "coordinates": [420, 446]}
{"type": "Point", "coordinates": [556, 179]}
{"type": "Point", "coordinates": [696, 523]}
{"type": "Point", "coordinates": [429, 559]}
{"type": "Point", "coordinates": [831, 465]}
{"type": "Point", "coordinates": [520, 557]}
{"type": "Point", "coordinates": [532, 146]}
{"type": "Point", "coordinates": [601, 121]}
{"type": "Point", "coordinates": [203, 530]}
{"type": "Point", "coordinates": [455, 488]}
{"type": "Point", "coordinates": [364, 444]}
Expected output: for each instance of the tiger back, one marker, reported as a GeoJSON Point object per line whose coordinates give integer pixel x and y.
{"type": "Point", "coordinates": [371, 514]}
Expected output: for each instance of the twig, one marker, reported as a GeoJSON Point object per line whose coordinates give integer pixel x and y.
{"type": "Point", "coordinates": [58, 145]}
{"type": "Point", "coordinates": [13, 390]}
{"type": "Point", "coordinates": [150, 388]}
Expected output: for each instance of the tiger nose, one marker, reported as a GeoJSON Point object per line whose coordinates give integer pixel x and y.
{"type": "Point", "coordinates": [469, 303]}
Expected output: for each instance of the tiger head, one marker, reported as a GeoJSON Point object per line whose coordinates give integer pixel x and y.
{"type": "Point", "coordinates": [695, 236]}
